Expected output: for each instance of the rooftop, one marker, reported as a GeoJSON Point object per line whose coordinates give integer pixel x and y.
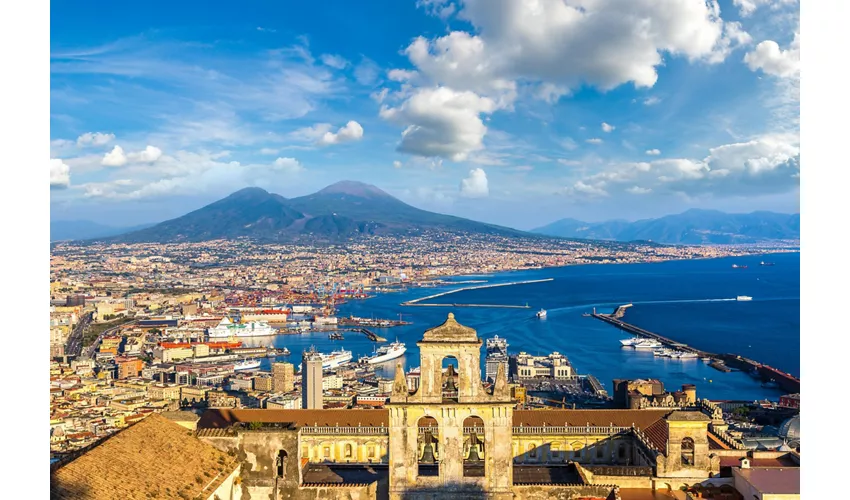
{"type": "Point", "coordinates": [450, 331]}
{"type": "Point", "coordinates": [154, 457]}
{"type": "Point", "coordinates": [772, 480]}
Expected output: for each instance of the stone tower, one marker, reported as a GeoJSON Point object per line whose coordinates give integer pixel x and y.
{"type": "Point", "coordinates": [687, 445]}
{"type": "Point", "coordinates": [449, 437]}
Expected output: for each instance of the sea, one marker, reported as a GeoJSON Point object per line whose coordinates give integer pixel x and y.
{"type": "Point", "coordinates": [690, 301]}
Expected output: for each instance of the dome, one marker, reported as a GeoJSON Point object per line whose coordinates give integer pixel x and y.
{"type": "Point", "coordinates": [790, 429]}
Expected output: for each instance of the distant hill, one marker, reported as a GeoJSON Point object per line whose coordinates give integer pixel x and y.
{"type": "Point", "coordinates": [691, 227]}
{"type": "Point", "coordinates": [341, 210]}
{"type": "Point", "coordinates": [66, 230]}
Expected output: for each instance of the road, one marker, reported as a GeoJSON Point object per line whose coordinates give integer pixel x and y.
{"type": "Point", "coordinates": [74, 345]}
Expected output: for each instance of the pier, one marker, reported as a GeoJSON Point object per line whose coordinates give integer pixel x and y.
{"type": "Point", "coordinates": [416, 302]}
{"type": "Point", "coordinates": [371, 335]}
{"type": "Point", "coordinates": [721, 362]}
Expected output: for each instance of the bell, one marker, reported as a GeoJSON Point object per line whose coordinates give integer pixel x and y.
{"type": "Point", "coordinates": [428, 454]}
{"type": "Point", "coordinates": [473, 448]}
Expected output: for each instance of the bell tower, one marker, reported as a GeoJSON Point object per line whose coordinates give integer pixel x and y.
{"type": "Point", "coordinates": [452, 434]}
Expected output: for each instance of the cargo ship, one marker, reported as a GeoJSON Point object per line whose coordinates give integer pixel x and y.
{"type": "Point", "coordinates": [334, 359]}
{"type": "Point", "coordinates": [385, 353]}
{"type": "Point", "coordinates": [226, 329]}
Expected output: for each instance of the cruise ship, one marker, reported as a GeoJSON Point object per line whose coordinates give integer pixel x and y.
{"type": "Point", "coordinates": [226, 329]}
{"type": "Point", "coordinates": [743, 298]}
{"type": "Point", "coordinates": [385, 353]}
{"type": "Point", "coordinates": [247, 364]}
{"type": "Point", "coordinates": [334, 359]}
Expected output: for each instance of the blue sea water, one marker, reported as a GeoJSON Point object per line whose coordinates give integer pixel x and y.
{"type": "Point", "coordinates": [688, 301]}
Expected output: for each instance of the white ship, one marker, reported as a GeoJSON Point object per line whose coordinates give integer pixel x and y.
{"type": "Point", "coordinates": [333, 359]}
{"type": "Point", "coordinates": [630, 342]}
{"type": "Point", "coordinates": [647, 344]}
{"type": "Point", "coordinates": [741, 298]}
{"type": "Point", "coordinates": [541, 313]}
{"type": "Point", "coordinates": [385, 353]}
{"type": "Point", "coordinates": [247, 364]}
{"type": "Point", "coordinates": [226, 329]}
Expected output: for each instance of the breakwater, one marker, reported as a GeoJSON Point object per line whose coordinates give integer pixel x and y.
{"type": "Point", "coordinates": [417, 302]}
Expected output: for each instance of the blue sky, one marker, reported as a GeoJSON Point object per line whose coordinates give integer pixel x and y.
{"type": "Point", "coordinates": [506, 111]}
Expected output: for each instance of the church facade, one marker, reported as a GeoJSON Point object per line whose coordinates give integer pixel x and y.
{"type": "Point", "coordinates": [454, 436]}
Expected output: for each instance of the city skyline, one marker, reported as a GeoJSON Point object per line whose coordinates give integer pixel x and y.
{"type": "Point", "coordinates": [508, 119]}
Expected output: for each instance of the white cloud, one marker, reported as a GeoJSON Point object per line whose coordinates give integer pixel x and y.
{"type": "Point", "coordinates": [334, 61]}
{"type": "Point", "coordinates": [604, 43]}
{"type": "Point", "coordinates": [768, 57]}
{"type": "Point", "coordinates": [595, 140]}
{"type": "Point", "coordinates": [352, 131]}
{"type": "Point", "coordinates": [638, 190]}
{"type": "Point", "coordinates": [114, 158]}
{"type": "Point", "coordinates": [401, 75]}
{"type": "Point", "coordinates": [438, 8]}
{"type": "Point", "coordinates": [441, 122]}
{"type": "Point", "coordinates": [747, 7]}
{"type": "Point", "coordinates": [475, 186]}
{"type": "Point", "coordinates": [367, 72]}
{"type": "Point", "coordinates": [287, 165]}
{"type": "Point", "coordinates": [266, 30]}
{"type": "Point", "coordinates": [586, 190]}
{"type": "Point", "coordinates": [569, 163]}
{"type": "Point", "coordinates": [94, 139]}
{"type": "Point", "coordinates": [397, 164]}
{"type": "Point", "coordinates": [653, 152]}
{"type": "Point", "coordinates": [149, 155]}
{"type": "Point", "coordinates": [764, 165]}
{"type": "Point", "coordinates": [60, 174]}
{"type": "Point", "coordinates": [568, 143]}
{"type": "Point", "coordinates": [607, 128]}
{"type": "Point", "coordinates": [651, 101]}
{"type": "Point", "coordinates": [380, 96]}
{"type": "Point", "coordinates": [269, 151]}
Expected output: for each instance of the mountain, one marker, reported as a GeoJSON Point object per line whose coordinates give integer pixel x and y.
{"type": "Point", "coordinates": [66, 230]}
{"type": "Point", "coordinates": [342, 210]}
{"type": "Point", "coordinates": [691, 227]}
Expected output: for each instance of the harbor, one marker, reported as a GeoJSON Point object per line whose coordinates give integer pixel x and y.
{"type": "Point", "coordinates": [721, 362]}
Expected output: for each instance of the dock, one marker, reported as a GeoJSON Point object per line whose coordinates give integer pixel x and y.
{"type": "Point", "coordinates": [720, 362]}
{"type": "Point", "coordinates": [371, 335]}
{"type": "Point", "coordinates": [622, 325]}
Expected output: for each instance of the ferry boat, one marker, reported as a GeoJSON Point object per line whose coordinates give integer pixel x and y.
{"type": "Point", "coordinates": [743, 298]}
{"type": "Point", "coordinates": [227, 328]}
{"type": "Point", "coordinates": [385, 353]}
{"type": "Point", "coordinates": [647, 344]}
{"type": "Point", "coordinates": [247, 364]}
{"type": "Point", "coordinates": [541, 313]}
{"type": "Point", "coordinates": [334, 359]}
{"type": "Point", "coordinates": [630, 342]}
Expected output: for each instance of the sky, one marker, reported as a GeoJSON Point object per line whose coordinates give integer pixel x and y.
{"type": "Point", "coordinates": [515, 112]}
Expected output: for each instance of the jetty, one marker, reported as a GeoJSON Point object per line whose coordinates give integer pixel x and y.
{"type": "Point", "coordinates": [370, 335]}
{"type": "Point", "coordinates": [417, 302]}
{"type": "Point", "coordinates": [720, 362]}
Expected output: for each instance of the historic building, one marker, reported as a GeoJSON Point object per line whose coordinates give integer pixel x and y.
{"type": "Point", "coordinates": [451, 437]}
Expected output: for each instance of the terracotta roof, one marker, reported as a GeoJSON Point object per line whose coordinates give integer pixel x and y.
{"type": "Point", "coordinates": [619, 418]}
{"type": "Point", "coordinates": [154, 457]}
{"type": "Point", "coordinates": [658, 434]}
{"type": "Point", "coordinates": [759, 462]}
{"type": "Point", "coordinates": [222, 417]}
{"type": "Point", "coordinates": [777, 481]}
{"type": "Point", "coordinates": [715, 443]}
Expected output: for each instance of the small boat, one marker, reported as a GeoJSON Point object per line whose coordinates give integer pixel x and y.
{"type": "Point", "coordinates": [285, 352]}
{"type": "Point", "coordinates": [541, 313]}
{"type": "Point", "coordinates": [743, 298]}
{"type": "Point", "coordinates": [763, 263]}
{"type": "Point", "coordinates": [736, 266]}
{"type": "Point", "coordinates": [336, 336]}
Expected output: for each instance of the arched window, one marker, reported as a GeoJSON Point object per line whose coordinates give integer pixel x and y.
{"type": "Point", "coordinates": [473, 447]}
{"type": "Point", "coordinates": [532, 451]}
{"type": "Point", "coordinates": [281, 463]}
{"type": "Point", "coordinates": [687, 451]}
{"type": "Point", "coordinates": [450, 378]}
{"type": "Point", "coordinates": [348, 451]}
{"type": "Point", "coordinates": [428, 452]}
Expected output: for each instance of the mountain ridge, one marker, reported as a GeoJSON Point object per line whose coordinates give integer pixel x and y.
{"type": "Point", "coordinates": [691, 227]}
